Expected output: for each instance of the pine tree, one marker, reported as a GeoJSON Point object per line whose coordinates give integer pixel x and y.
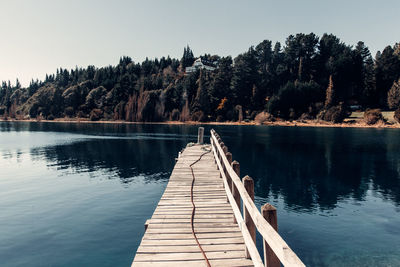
{"type": "Point", "coordinates": [244, 77]}
{"type": "Point", "coordinates": [393, 98]}
{"type": "Point", "coordinates": [202, 100]}
{"type": "Point", "coordinates": [17, 84]}
{"type": "Point", "coordinates": [300, 72]}
{"type": "Point", "coordinates": [185, 113]}
{"type": "Point", "coordinates": [387, 69]}
{"type": "Point", "coordinates": [397, 49]}
{"type": "Point", "coordinates": [369, 80]}
{"type": "Point", "coordinates": [368, 90]}
{"type": "Point", "coordinates": [330, 94]}
{"type": "Point", "coordinates": [187, 58]}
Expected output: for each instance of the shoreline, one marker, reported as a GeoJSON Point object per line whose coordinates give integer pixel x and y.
{"type": "Point", "coordinates": [68, 120]}
{"type": "Point", "coordinates": [311, 123]}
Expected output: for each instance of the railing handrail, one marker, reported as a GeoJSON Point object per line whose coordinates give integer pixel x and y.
{"type": "Point", "coordinates": [282, 251]}
{"type": "Point", "coordinates": [255, 256]}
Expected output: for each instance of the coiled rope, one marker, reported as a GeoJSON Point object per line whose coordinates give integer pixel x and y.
{"type": "Point", "coordinates": [194, 208]}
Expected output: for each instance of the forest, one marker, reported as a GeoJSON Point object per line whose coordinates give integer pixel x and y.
{"type": "Point", "coordinates": [309, 77]}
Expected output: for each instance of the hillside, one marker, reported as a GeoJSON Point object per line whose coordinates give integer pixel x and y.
{"type": "Point", "coordinates": [306, 78]}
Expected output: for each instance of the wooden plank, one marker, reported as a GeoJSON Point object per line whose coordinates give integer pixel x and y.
{"type": "Point", "coordinates": [152, 230]}
{"type": "Point", "coordinates": [206, 204]}
{"type": "Point", "coordinates": [196, 263]}
{"type": "Point", "coordinates": [188, 216]}
{"type": "Point", "coordinates": [190, 236]}
{"type": "Point", "coordinates": [171, 202]}
{"type": "Point", "coordinates": [199, 197]}
{"type": "Point", "coordinates": [205, 191]}
{"type": "Point", "coordinates": [198, 209]}
{"type": "Point", "coordinates": [189, 212]}
{"type": "Point", "coordinates": [190, 248]}
{"type": "Point", "coordinates": [188, 256]}
{"type": "Point", "coordinates": [205, 241]}
{"type": "Point", "coordinates": [196, 225]}
{"type": "Point", "coordinates": [196, 220]}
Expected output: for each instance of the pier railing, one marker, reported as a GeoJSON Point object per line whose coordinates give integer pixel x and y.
{"type": "Point", "coordinates": [238, 191]}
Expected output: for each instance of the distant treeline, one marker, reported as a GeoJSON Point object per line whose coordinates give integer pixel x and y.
{"type": "Point", "coordinates": [308, 77]}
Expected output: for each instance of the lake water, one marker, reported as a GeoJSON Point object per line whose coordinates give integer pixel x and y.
{"type": "Point", "coordinates": [79, 194]}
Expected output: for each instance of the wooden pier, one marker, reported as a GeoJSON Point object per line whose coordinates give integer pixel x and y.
{"type": "Point", "coordinates": [199, 220]}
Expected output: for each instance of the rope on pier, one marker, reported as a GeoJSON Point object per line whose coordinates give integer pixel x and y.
{"type": "Point", "coordinates": [194, 208]}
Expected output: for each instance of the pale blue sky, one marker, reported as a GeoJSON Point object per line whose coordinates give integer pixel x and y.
{"type": "Point", "coordinates": [38, 36]}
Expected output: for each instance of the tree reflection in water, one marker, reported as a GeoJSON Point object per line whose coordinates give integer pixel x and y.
{"type": "Point", "coordinates": [310, 168]}
{"type": "Point", "coordinates": [316, 167]}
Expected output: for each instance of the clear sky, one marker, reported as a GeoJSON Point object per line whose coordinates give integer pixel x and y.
{"type": "Point", "coordinates": [38, 36]}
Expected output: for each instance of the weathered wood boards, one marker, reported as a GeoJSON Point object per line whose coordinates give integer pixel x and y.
{"type": "Point", "coordinates": [168, 240]}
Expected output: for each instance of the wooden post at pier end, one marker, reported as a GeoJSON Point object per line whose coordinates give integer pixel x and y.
{"type": "Point", "coordinates": [269, 213]}
{"type": "Point", "coordinates": [249, 186]}
{"type": "Point", "coordinates": [200, 136]}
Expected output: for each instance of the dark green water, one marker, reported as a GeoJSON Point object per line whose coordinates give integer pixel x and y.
{"type": "Point", "coordinates": [79, 194]}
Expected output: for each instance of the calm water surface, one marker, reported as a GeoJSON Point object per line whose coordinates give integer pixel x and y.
{"type": "Point", "coordinates": [79, 194]}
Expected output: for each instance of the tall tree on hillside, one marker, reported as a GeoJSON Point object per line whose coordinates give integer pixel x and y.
{"type": "Point", "coordinates": [397, 49]}
{"type": "Point", "coordinates": [244, 77]}
{"type": "Point", "coordinates": [187, 58]}
{"type": "Point", "coordinates": [90, 72]}
{"type": "Point", "coordinates": [279, 70]}
{"type": "Point", "coordinates": [189, 87]}
{"type": "Point", "coordinates": [17, 84]}
{"type": "Point", "coordinates": [220, 83]}
{"type": "Point", "coordinates": [329, 47]}
{"type": "Point", "coordinates": [368, 90]}
{"type": "Point", "coordinates": [299, 52]}
{"type": "Point", "coordinates": [264, 57]}
{"type": "Point", "coordinates": [339, 60]}
{"type": "Point", "coordinates": [201, 101]}
{"type": "Point", "coordinates": [387, 71]}
{"type": "Point", "coordinates": [393, 98]}
{"type": "Point", "coordinates": [330, 94]}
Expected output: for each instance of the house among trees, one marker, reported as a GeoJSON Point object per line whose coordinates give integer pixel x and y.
{"type": "Point", "coordinates": [201, 64]}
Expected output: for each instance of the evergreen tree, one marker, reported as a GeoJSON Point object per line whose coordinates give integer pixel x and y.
{"type": "Point", "coordinates": [393, 98]}
{"type": "Point", "coordinates": [244, 77]}
{"type": "Point", "coordinates": [264, 57]}
{"type": "Point", "coordinates": [330, 94]}
{"type": "Point", "coordinates": [187, 58]}
{"type": "Point", "coordinates": [17, 84]}
{"type": "Point", "coordinates": [368, 88]}
{"type": "Point", "coordinates": [220, 83]}
{"type": "Point", "coordinates": [387, 71]}
{"type": "Point", "coordinates": [201, 101]}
